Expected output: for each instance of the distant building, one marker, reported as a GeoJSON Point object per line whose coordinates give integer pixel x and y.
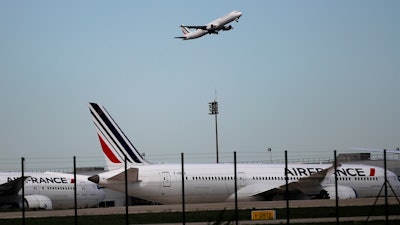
{"type": "Point", "coordinates": [354, 157]}
{"type": "Point", "coordinates": [392, 163]}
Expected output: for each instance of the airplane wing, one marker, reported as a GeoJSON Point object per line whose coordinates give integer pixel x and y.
{"type": "Point", "coordinates": [311, 185]}
{"type": "Point", "coordinates": [197, 27]}
{"type": "Point", "coordinates": [12, 187]}
{"type": "Point", "coordinates": [133, 175]}
{"type": "Point", "coordinates": [308, 186]}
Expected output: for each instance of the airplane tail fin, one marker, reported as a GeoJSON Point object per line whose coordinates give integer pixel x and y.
{"type": "Point", "coordinates": [185, 30]}
{"type": "Point", "coordinates": [116, 146]}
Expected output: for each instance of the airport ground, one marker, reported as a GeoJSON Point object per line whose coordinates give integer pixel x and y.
{"type": "Point", "coordinates": [138, 213]}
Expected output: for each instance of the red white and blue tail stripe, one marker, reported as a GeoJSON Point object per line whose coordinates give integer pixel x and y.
{"type": "Point", "coordinates": [116, 146]}
{"type": "Point", "coordinates": [184, 30]}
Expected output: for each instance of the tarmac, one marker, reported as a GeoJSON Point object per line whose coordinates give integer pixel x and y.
{"type": "Point", "coordinates": [218, 206]}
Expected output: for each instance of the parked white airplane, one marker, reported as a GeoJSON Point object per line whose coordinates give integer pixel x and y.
{"type": "Point", "coordinates": [210, 28]}
{"type": "Point", "coordinates": [48, 190]}
{"type": "Point", "coordinates": [206, 183]}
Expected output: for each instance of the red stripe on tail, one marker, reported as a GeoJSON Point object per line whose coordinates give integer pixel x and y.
{"type": "Point", "coordinates": [107, 151]}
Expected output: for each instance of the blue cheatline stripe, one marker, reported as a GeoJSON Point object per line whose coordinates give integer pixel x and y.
{"type": "Point", "coordinates": [120, 139]}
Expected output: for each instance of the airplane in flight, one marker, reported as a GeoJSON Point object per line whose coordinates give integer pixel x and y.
{"type": "Point", "coordinates": [211, 28]}
{"type": "Point", "coordinates": [208, 183]}
{"type": "Point", "coordinates": [48, 190]}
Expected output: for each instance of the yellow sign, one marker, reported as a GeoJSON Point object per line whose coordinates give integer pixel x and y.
{"type": "Point", "coordinates": [263, 215]}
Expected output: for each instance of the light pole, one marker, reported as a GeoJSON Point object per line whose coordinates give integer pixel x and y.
{"type": "Point", "coordinates": [213, 106]}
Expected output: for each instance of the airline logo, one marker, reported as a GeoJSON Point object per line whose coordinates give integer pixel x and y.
{"type": "Point", "coordinates": [113, 141]}
{"type": "Point", "coordinates": [345, 172]}
{"type": "Point", "coordinates": [372, 172]}
{"type": "Point", "coordinates": [42, 180]}
{"type": "Point", "coordinates": [107, 151]}
{"type": "Point", "coordinates": [184, 30]}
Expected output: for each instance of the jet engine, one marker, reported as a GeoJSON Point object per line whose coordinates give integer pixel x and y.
{"type": "Point", "coordinates": [38, 202]}
{"type": "Point", "coordinates": [344, 192]}
{"type": "Point", "coordinates": [210, 27]}
{"type": "Point", "coordinates": [229, 27]}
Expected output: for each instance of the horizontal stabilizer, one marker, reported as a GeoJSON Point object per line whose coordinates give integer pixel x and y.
{"type": "Point", "coordinates": [133, 175]}
{"type": "Point", "coordinates": [12, 187]}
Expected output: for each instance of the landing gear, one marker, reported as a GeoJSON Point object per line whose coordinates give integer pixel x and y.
{"type": "Point", "coordinates": [323, 195]}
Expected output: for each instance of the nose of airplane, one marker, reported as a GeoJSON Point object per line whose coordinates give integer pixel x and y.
{"type": "Point", "coordinates": [238, 15]}
{"type": "Point", "coordinates": [94, 179]}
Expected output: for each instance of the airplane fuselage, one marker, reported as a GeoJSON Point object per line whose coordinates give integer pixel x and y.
{"type": "Point", "coordinates": [196, 34]}
{"type": "Point", "coordinates": [220, 23]}
{"type": "Point", "coordinates": [210, 28]}
{"type": "Point", "coordinates": [56, 188]}
{"type": "Point", "coordinates": [207, 183]}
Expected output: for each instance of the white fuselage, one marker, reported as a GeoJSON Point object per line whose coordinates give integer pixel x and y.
{"type": "Point", "coordinates": [219, 23]}
{"type": "Point", "coordinates": [212, 27]}
{"type": "Point", "coordinates": [196, 34]}
{"type": "Point", "coordinates": [207, 183]}
{"type": "Point", "coordinates": [57, 187]}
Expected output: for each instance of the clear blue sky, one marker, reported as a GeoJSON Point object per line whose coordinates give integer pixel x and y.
{"type": "Point", "coordinates": [306, 76]}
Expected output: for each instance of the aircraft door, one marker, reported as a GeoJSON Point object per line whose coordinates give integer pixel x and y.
{"type": "Point", "coordinates": [83, 195]}
{"type": "Point", "coordinates": [82, 190]}
{"type": "Point", "coordinates": [241, 179]}
{"type": "Point", "coordinates": [166, 179]}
